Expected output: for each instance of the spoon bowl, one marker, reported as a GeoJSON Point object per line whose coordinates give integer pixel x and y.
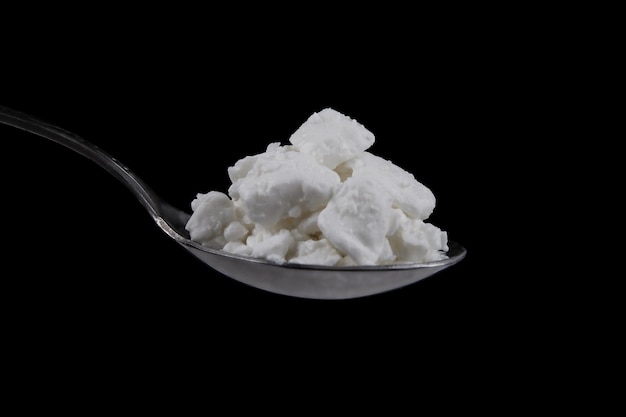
{"type": "Point", "coordinates": [305, 281]}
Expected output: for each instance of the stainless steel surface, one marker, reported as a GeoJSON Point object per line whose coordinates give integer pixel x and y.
{"type": "Point", "coordinates": [307, 281]}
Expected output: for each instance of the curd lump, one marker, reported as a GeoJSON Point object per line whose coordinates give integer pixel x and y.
{"type": "Point", "coordinates": [323, 200]}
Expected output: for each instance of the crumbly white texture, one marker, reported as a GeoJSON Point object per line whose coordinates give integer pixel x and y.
{"type": "Point", "coordinates": [323, 200]}
{"type": "Point", "coordinates": [331, 138]}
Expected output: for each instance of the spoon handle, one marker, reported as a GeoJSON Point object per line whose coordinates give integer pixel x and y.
{"type": "Point", "coordinates": [28, 123]}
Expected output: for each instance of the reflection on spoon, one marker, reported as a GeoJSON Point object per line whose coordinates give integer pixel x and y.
{"type": "Point", "coordinates": [307, 281]}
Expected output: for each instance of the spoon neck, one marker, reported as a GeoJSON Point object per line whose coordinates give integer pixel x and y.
{"type": "Point", "coordinates": [153, 204]}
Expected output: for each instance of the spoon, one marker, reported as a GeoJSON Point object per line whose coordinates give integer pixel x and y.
{"type": "Point", "coordinates": [305, 281]}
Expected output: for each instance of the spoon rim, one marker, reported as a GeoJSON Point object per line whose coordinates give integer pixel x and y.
{"type": "Point", "coordinates": [455, 253]}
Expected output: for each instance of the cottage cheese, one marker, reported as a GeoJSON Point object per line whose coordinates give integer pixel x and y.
{"type": "Point", "coordinates": [322, 200]}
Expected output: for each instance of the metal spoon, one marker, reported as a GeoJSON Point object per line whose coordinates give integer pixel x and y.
{"type": "Point", "coordinates": [306, 281]}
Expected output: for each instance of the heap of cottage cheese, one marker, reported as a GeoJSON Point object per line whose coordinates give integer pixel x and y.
{"type": "Point", "coordinates": [323, 200]}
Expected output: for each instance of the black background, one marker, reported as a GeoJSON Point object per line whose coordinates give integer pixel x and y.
{"type": "Point", "coordinates": [94, 280]}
